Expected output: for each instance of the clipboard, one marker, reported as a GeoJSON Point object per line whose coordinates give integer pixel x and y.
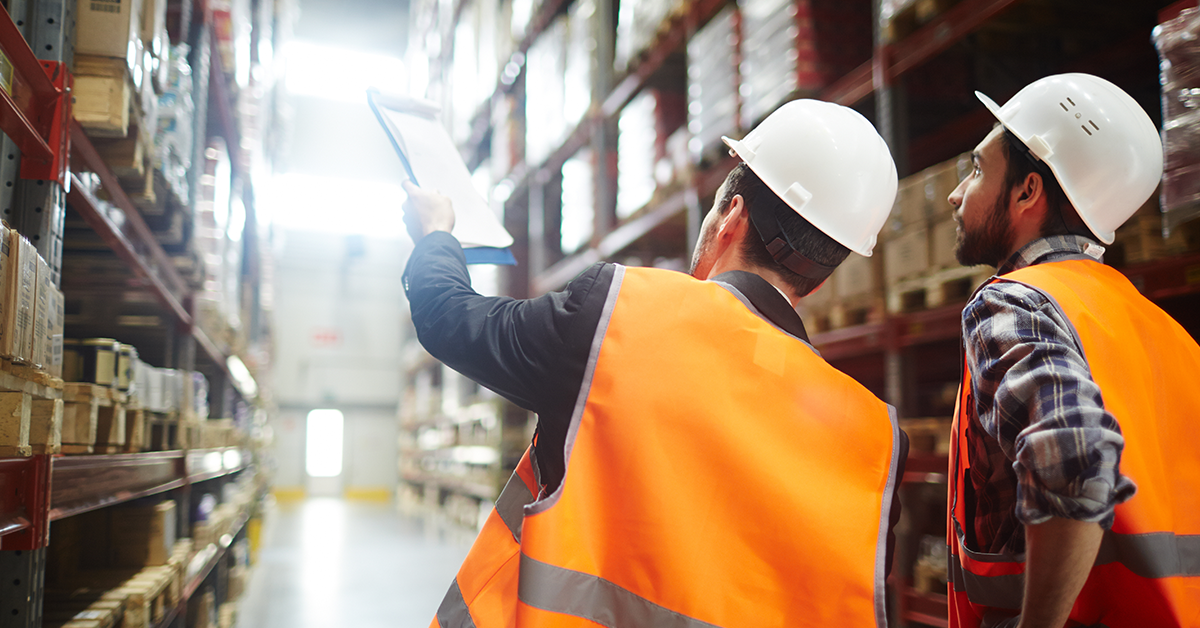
{"type": "Point", "coordinates": [431, 160]}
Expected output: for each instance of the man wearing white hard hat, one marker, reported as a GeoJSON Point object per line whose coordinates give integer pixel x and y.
{"type": "Point", "coordinates": [696, 462]}
{"type": "Point", "coordinates": [1075, 475]}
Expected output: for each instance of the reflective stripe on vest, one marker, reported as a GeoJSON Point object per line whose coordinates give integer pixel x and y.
{"type": "Point", "coordinates": [559, 590]}
{"type": "Point", "coordinates": [650, 527]}
{"type": "Point", "coordinates": [484, 594]}
{"type": "Point", "coordinates": [1155, 555]}
{"type": "Point", "coordinates": [1147, 572]}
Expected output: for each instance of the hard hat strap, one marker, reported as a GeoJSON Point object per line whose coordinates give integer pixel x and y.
{"type": "Point", "coordinates": [1039, 165]}
{"type": "Point", "coordinates": [781, 250]}
{"type": "Point", "coordinates": [783, 253]}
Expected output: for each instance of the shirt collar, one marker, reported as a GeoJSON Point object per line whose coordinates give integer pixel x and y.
{"type": "Point", "coordinates": [767, 299]}
{"type": "Point", "coordinates": [1052, 248]}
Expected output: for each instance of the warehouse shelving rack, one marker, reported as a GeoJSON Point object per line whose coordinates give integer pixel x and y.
{"type": "Point", "coordinates": [900, 356]}
{"type": "Point", "coordinates": [35, 117]}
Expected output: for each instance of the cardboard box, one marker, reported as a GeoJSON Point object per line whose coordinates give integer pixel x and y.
{"type": "Point", "coordinates": [906, 256]}
{"type": "Point", "coordinates": [941, 244]}
{"type": "Point", "coordinates": [5, 302]}
{"type": "Point", "coordinates": [16, 337]}
{"type": "Point", "coordinates": [106, 27]}
{"type": "Point", "coordinates": [856, 277]}
{"type": "Point", "coordinates": [940, 182]}
{"type": "Point", "coordinates": [54, 340]}
{"type": "Point", "coordinates": [43, 285]}
{"type": "Point", "coordinates": [910, 210]}
{"type": "Point", "coordinates": [143, 536]}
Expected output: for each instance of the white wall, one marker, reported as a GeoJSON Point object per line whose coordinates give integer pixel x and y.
{"type": "Point", "coordinates": [340, 317]}
{"type": "Point", "coordinates": [340, 314]}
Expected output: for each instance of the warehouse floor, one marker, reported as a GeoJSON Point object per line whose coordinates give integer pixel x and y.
{"type": "Point", "coordinates": [328, 563]}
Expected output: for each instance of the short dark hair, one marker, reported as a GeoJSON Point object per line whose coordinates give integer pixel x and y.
{"type": "Point", "coordinates": [810, 241]}
{"type": "Point", "coordinates": [1061, 217]}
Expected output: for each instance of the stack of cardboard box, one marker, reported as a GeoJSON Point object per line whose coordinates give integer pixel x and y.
{"type": "Point", "coordinates": [121, 65]}
{"type": "Point", "coordinates": [31, 311]}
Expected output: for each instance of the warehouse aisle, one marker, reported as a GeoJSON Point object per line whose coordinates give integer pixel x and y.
{"type": "Point", "coordinates": [331, 563]}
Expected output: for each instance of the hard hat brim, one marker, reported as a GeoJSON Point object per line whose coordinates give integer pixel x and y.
{"type": "Point", "coordinates": [735, 146]}
{"type": "Point", "coordinates": [990, 104]}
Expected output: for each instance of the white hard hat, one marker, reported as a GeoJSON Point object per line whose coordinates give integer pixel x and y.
{"type": "Point", "coordinates": [1098, 142]}
{"type": "Point", "coordinates": [829, 164]}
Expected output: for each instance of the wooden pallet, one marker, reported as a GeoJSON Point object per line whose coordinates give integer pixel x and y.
{"type": "Point", "coordinates": [31, 410]}
{"type": "Point", "coordinates": [94, 419]}
{"type": "Point", "coordinates": [137, 436]}
{"type": "Point", "coordinates": [936, 289]}
{"type": "Point", "coordinates": [120, 598]}
{"type": "Point", "coordinates": [99, 614]}
{"type": "Point", "coordinates": [167, 432]}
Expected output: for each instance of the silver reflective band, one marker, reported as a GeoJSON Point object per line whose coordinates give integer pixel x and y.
{"type": "Point", "coordinates": [995, 591]}
{"type": "Point", "coordinates": [1150, 555]}
{"type": "Point", "coordinates": [559, 590]}
{"type": "Point", "coordinates": [511, 504]}
{"type": "Point", "coordinates": [453, 612]}
{"type": "Point", "coordinates": [1154, 554]}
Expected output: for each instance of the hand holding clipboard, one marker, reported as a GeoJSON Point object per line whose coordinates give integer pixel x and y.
{"type": "Point", "coordinates": [432, 162]}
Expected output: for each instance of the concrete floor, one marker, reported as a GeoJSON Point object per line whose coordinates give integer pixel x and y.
{"type": "Point", "coordinates": [329, 563]}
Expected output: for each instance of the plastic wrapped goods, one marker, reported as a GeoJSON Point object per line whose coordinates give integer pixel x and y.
{"type": "Point", "coordinates": [713, 82]}
{"type": "Point", "coordinates": [176, 109]}
{"type": "Point", "coordinates": [545, 90]}
{"type": "Point", "coordinates": [1178, 43]}
{"type": "Point", "coordinates": [636, 154]}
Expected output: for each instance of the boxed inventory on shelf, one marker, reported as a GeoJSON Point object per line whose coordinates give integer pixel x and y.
{"type": "Point", "coordinates": [16, 336]}
{"type": "Point", "coordinates": [107, 27]}
{"type": "Point", "coordinates": [43, 284]}
{"type": "Point", "coordinates": [143, 536]}
{"type": "Point", "coordinates": [921, 232]}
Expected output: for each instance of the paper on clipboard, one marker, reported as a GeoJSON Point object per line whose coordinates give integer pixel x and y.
{"type": "Point", "coordinates": [431, 161]}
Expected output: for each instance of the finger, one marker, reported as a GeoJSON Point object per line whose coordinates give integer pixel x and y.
{"type": "Point", "coordinates": [408, 185]}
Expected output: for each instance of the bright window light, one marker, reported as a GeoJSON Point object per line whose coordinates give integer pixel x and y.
{"type": "Point", "coordinates": [336, 73]}
{"type": "Point", "coordinates": [323, 456]}
{"type": "Point", "coordinates": [304, 202]}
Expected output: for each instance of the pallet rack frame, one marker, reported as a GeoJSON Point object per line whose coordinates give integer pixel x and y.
{"type": "Point", "coordinates": [35, 116]}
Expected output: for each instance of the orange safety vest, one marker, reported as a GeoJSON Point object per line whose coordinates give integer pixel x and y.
{"type": "Point", "coordinates": [1147, 573]}
{"type": "Point", "coordinates": [718, 473]}
{"type": "Point", "coordinates": [484, 594]}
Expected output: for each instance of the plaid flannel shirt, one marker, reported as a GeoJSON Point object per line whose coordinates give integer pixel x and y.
{"type": "Point", "coordinates": [1046, 447]}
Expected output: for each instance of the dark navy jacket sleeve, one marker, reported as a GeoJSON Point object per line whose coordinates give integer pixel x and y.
{"type": "Point", "coordinates": [533, 352]}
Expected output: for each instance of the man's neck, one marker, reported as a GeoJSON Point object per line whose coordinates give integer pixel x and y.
{"type": "Point", "coordinates": [773, 278]}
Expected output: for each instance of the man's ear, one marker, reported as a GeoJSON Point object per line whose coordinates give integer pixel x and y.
{"type": "Point", "coordinates": [735, 219]}
{"type": "Point", "coordinates": [1030, 194]}
{"type": "Point", "coordinates": [1032, 188]}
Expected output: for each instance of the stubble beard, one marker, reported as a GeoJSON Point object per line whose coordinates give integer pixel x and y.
{"type": "Point", "coordinates": [991, 243]}
{"type": "Point", "coordinates": [702, 247]}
